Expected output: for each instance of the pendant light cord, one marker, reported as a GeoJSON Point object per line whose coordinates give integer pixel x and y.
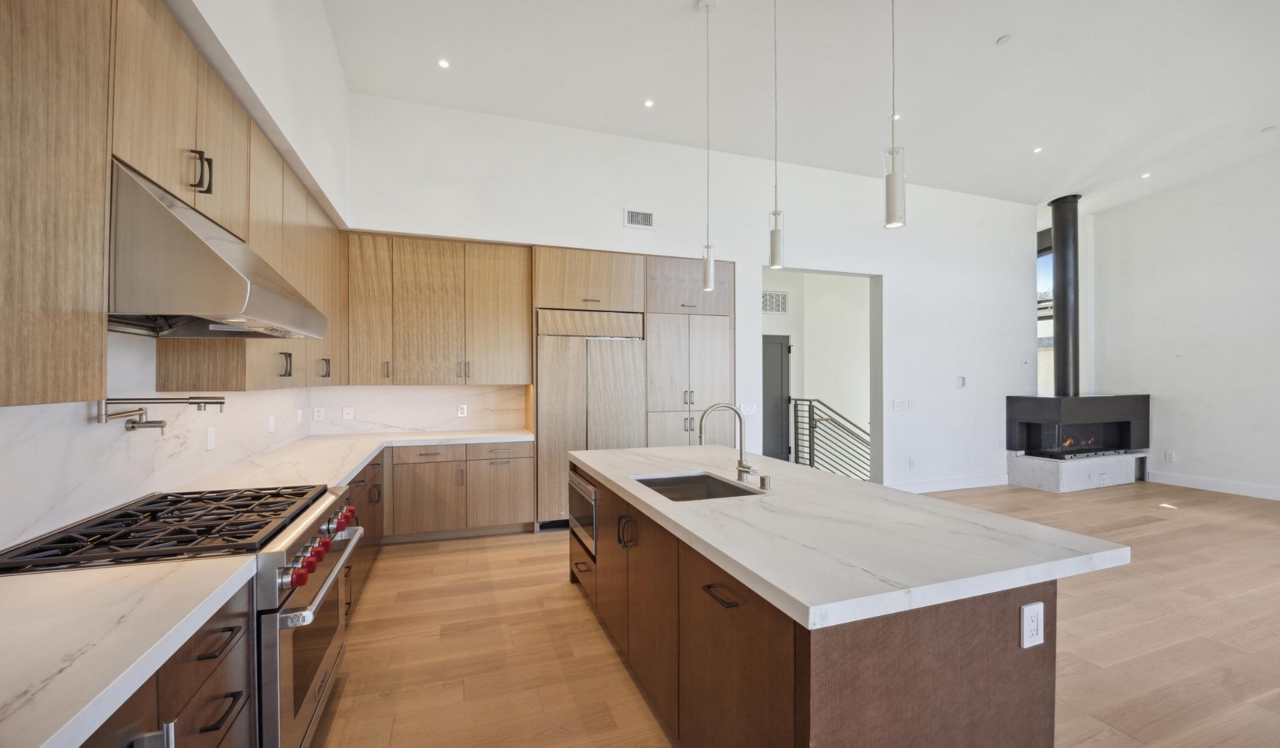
{"type": "Point", "coordinates": [708, 124]}
{"type": "Point", "coordinates": [775, 106]}
{"type": "Point", "coordinates": [893, 73]}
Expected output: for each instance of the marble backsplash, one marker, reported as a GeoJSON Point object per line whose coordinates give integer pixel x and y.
{"type": "Point", "coordinates": [60, 466]}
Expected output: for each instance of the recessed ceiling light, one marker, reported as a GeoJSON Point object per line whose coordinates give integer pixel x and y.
{"type": "Point", "coordinates": [443, 63]}
{"type": "Point", "coordinates": [1005, 39]}
{"type": "Point", "coordinates": [1036, 150]}
{"type": "Point", "coordinates": [1168, 506]}
{"type": "Point", "coordinates": [1268, 128]}
{"type": "Point", "coordinates": [648, 103]}
{"type": "Point", "coordinates": [1146, 176]}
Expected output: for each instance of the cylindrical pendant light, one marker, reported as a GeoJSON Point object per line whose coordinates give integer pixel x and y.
{"type": "Point", "coordinates": [775, 218]}
{"type": "Point", "coordinates": [895, 159]}
{"type": "Point", "coordinates": [708, 260]}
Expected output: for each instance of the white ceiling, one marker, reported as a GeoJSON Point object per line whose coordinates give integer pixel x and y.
{"type": "Point", "coordinates": [1109, 89]}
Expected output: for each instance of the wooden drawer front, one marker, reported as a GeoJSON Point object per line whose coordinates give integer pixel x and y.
{"type": "Point", "coordinates": [135, 718]}
{"type": "Point", "coordinates": [500, 492]}
{"type": "Point", "coordinates": [243, 733]}
{"type": "Point", "coordinates": [430, 453]}
{"type": "Point", "coordinates": [210, 714]}
{"type": "Point", "coordinates": [367, 476]}
{"type": "Point", "coordinates": [582, 566]}
{"type": "Point", "coordinates": [562, 322]}
{"type": "Point", "coordinates": [499, 450]}
{"type": "Point", "coordinates": [191, 666]}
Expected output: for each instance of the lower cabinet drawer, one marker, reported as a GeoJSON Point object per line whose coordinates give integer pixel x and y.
{"type": "Point", "coordinates": [499, 450]}
{"type": "Point", "coordinates": [429, 453]}
{"type": "Point", "coordinates": [243, 732]}
{"type": "Point", "coordinates": [208, 717]}
{"type": "Point", "coordinates": [192, 665]}
{"type": "Point", "coordinates": [582, 567]}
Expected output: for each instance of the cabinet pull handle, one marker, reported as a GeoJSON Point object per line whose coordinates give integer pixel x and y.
{"type": "Point", "coordinates": [581, 566]}
{"type": "Point", "coordinates": [232, 632]}
{"type": "Point", "coordinates": [428, 454]}
{"type": "Point", "coordinates": [459, 370]}
{"type": "Point", "coordinates": [235, 697]}
{"type": "Point", "coordinates": [500, 462]}
{"type": "Point", "coordinates": [346, 572]}
{"type": "Point", "coordinates": [199, 183]}
{"type": "Point", "coordinates": [356, 483]}
{"type": "Point", "coordinates": [689, 306]}
{"type": "Point", "coordinates": [462, 476]}
{"type": "Point", "coordinates": [328, 369]}
{"type": "Point", "coordinates": [500, 450]}
{"type": "Point", "coordinates": [710, 590]}
{"type": "Point", "coordinates": [376, 487]}
{"type": "Point", "coordinates": [623, 522]}
{"type": "Point", "coordinates": [692, 398]}
{"type": "Point", "coordinates": [468, 370]}
{"type": "Point", "coordinates": [289, 359]}
{"type": "Point", "coordinates": [285, 373]}
{"type": "Point", "coordinates": [208, 190]}
{"type": "Point", "coordinates": [593, 301]}
{"type": "Point", "coordinates": [386, 368]}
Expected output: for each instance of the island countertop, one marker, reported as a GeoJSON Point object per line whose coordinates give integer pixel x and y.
{"type": "Point", "coordinates": [827, 550]}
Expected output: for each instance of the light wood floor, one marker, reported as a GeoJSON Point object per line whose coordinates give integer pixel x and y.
{"type": "Point", "coordinates": [484, 641]}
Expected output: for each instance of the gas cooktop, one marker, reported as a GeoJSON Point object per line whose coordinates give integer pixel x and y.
{"type": "Point", "coordinates": [167, 525]}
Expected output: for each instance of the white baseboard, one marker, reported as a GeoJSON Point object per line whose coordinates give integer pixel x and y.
{"type": "Point", "coordinates": [1215, 484]}
{"type": "Point", "coordinates": [953, 484]}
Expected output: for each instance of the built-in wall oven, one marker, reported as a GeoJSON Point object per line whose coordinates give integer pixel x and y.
{"type": "Point", "coordinates": [582, 510]}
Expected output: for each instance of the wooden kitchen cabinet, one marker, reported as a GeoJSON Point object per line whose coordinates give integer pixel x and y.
{"type": "Point", "coordinates": [736, 661]}
{"type": "Point", "coordinates": [54, 186]}
{"type": "Point", "coordinates": [586, 279]}
{"type": "Point", "coordinates": [689, 367]}
{"type": "Point", "coordinates": [611, 565]}
{"type": "Point", "coordinates": [326, 358]}
{"type": "Point", "coordinates": [501, 492]}
{"type": "Point", "coordinates": [710, 361]}
{"type": "Point", "coordinates": [156, 92]}
{"type": "Point", "coordinates": [430, 497]}
{"type": "Point", "coordinates": [562, 419]}
{"type": "Point", "coordinates": [673, 285]}
{"type": "Point", "coordinates": [366, 497]}
{"type": "Point", "coordinates": [135, 718]}
{"type": "Point", "coordinates": [499, 314]}
{"type": "Point", "coordinates": [222, 132]}
{"type": "Point", "coordinates": [667, 365]}
{"type": "Point", "coordinates": [296, 269]}
{"type": "Point", "coordinates": [428, 311]}
{"type": "Point", "coordinates": [615, 393]}
{"type": "Point", "coordinates": [369, 290]}
{"type": "Point", "coordinates": [672, 429]}
{"type": "Point", "coordinates": [653, 612]}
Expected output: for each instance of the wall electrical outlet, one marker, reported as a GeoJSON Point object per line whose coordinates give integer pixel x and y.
{"type": "Point", "coordinates": [348, 413]}
{"type": "Point", "coordinates": [1170, 457]}
{"type": "Point", "coordinates": [748, 409]}
{"type": "Point", "coordinates": [462, 411]}
{"type": "Point", "coordinates": [299, 416]}
{"type": "Point", "coordinates": [901, 404]}
{"type": "Point", "coordinates": [317, 414]}
{"type": "Point", "coordinates": [271, 424]}
{"type": "Point", "coordinates": [1032, 625]}
{"type": "Point", "coordinates": [911, 464]}
{"type": "Point", "coordinates": [959, 381]}
{"type": "Point", "coordinates": [210, 440]}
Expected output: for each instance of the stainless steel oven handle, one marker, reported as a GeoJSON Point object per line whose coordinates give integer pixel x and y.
{"type": "Point", "coordinates": [587, 490]}
{"type": "Point", "coordinates": [307, 615]}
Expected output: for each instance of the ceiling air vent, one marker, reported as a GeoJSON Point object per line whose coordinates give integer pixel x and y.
{"type": "Point", "coordinates": [773, 302]}
{"type": "Point", "coordinates": [638, 219]}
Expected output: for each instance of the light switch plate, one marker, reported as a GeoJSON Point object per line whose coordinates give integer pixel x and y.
{"type": "Point", "coordinates": [348, 413]}
{"type": "Point", "coordinates": [1032, 625]}
{"type": "Point", "coordinates": [317, 414]}
{"type": "Point", "coordinates": [271, 424]}
{"type": "Point", "coordinates": [462, 411]}
{"type": "Point", "coordinates": [210, 440]}
{"type": "Point", "coordinates": [1170, 457]}
{"type": "Point", "coordinates": [900, 405]}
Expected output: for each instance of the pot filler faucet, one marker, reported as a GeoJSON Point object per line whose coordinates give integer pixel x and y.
{"type": "Point", "coordinates": [745, 470]}
{"type": "Point", "coordinates": [138, 416]}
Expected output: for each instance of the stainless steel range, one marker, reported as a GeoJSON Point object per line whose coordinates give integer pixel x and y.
{"type": "Point", "coordinates": [301, 539]}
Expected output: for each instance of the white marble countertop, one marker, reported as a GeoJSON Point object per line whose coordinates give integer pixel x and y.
{"type": "Point", "coordinates": [79, 643]}
{"type": "Point", "coordinates": [828, 550]}
{"type": "Point", "coordinates": [82, 641]}
{"type": "Point", "coordinates": [335, 460]}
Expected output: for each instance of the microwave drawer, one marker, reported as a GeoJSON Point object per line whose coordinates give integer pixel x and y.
{"type": "Point", "coordinates": [582, 566]}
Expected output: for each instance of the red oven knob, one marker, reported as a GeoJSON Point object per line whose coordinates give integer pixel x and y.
{"type": "Point", "coordinates": [325, 543]}
{"type": "Point", "coordinates": [340, 523]}
{"type": "Point", "coordinates": [298, 578]}
{"type": "Point", "coordinates": [317, 555]}
{"type": "Point", "coordinates": [349, 513]}
{"type": "Point", "coordinates": [309, 564]}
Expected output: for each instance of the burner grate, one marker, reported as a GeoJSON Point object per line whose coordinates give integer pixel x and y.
{"type": "Point", "coordinates": [167, 525]}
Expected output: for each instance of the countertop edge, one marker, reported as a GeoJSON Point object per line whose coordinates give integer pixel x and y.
{"type": "Point", "coordinates": [873, 606]}
{"type": "Point", "coordinates": [422, 442]}
{"type": "Point", "coordinates": [94, 714]}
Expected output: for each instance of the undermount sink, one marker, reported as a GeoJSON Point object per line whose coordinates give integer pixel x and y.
{"type": "Point", "coordinates": [695, 487]}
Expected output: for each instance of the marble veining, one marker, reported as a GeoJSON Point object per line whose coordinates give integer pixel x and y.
{"type": "Point", "coordinates": [829, 550]}
{"type": "Point", "coordinates": [90, 637]}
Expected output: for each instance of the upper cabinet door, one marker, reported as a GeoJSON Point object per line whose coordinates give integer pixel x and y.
{"type": "Point", "coordinates": [157, 83]}
{"type": "Point", "coordinates": [429, 311]}
{"type": "Point", "coordinates": [668, 362]}
{"type": "Point", "coordinates": [222, 132]}
{"type": "Point", "coordinates": [585, 279]}
{"type": "Point", "coordinates": [499, 315]}
{"type": "Point", "coordinates": [369, 309]}
{"type": "Point", "coordinates": [615, 394]}
{"type": "Point", "coordinates": [54, 182]}
{"type": "Point", "coordinates": [266, 200]}
{"type": "Point", "coordinates": [710, 361]}
{"type": "Point", "coordinates": [298, 251]}
{"type": "Point", "coordinates": [327, 357]}
{"type": "Point", "coordinates": [673, 285]}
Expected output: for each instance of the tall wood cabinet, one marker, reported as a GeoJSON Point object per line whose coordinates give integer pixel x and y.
{"type": "Point", "coordinates": [690, 367]}
{"type": "Point", "coordinates": [499, 335]}
{"type": "Point", "coordinates": [54, 182]}
{"type": "Point", "coordinates": [369, 311]}
{"type": "Point", "coordinates": [326, 358]}
{"type": "Point", "coordinates": [428, 318]}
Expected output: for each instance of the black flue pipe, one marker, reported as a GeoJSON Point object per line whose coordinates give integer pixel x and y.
{"type": "Point", "coordinates": [1066, 296]}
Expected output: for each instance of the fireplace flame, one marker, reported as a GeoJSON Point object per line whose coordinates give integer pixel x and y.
{"type": "Point", "coordinates": [1071, 442]}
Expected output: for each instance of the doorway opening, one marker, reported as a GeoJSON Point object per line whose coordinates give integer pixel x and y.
{"type": "Point", "coordinates": [820, 354]}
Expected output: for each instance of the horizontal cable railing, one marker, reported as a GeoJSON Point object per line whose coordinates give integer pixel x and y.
{"type": "Point", "coordinates": [827, 440]}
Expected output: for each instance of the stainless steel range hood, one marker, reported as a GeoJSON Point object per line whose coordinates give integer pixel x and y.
{"type": "Point", "coordinates": [175, 273]}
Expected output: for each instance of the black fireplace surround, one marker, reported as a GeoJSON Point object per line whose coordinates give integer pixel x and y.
{"type": "Point", "coordinates": [1066, 427]}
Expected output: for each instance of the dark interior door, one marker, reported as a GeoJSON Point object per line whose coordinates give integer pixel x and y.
{"type": "Point", "coordinates": [777, 391]}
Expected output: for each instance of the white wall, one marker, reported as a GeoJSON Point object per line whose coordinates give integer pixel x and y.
{"type": "Point", "coordinates": [837, 361]}
{"type": "Point", "coordinates": [280, 59]}
{"type": "Point", "coordinates": [958, 281]}
{"type": "Point", "coordinates": [1187, 309]}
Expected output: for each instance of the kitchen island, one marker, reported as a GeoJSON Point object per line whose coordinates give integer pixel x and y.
{"type": "Point", "coordinates": [826, 610]}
